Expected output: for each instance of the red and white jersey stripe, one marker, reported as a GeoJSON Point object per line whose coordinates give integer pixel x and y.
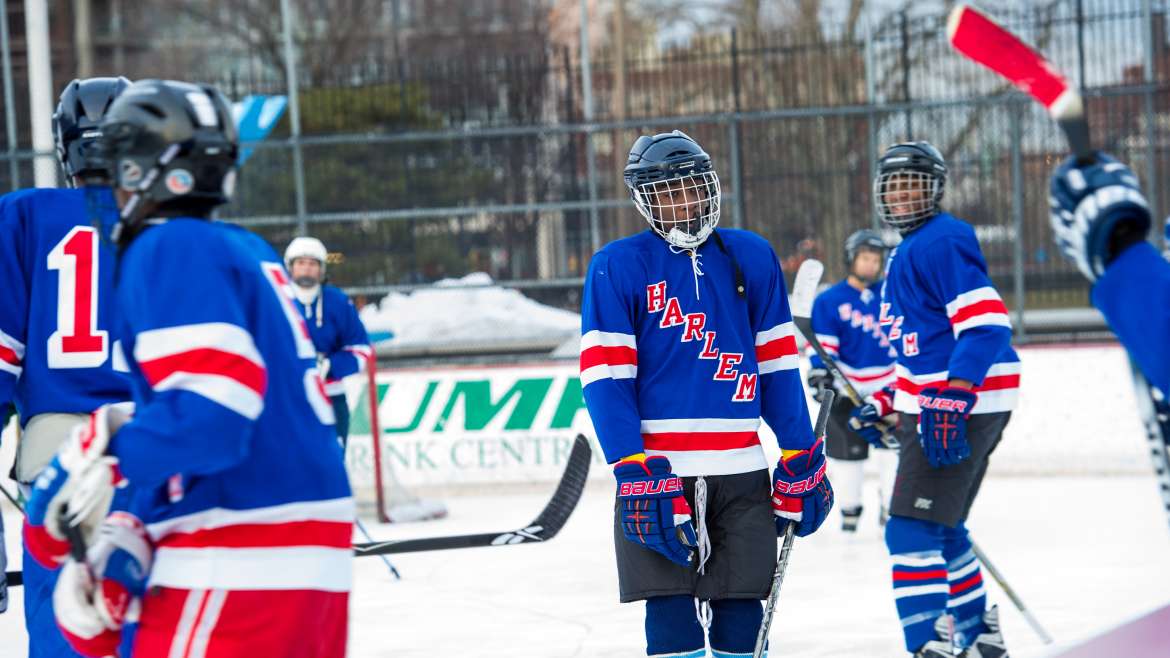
{"type": "Point", "coordinates": [216, 360]}
{"type": "Point", "coordinates": [11, 355]}
{"type": "Point", "coordinates": [295, 546]}
{"type": "Point", "coordinates": [868, 380]}
{"type": "Point", "coordinates": [998, 392]}
{"type": "Point", "coordinates": [706, 446]}
{"type": "Point", "coordinates": [607, 354]}
{"type": "Point", "coordinates": [776, 349]}
{"type": "Point", "coordinates": [831, 343]}
{"type": "Point", "coordinates": [975, 308]}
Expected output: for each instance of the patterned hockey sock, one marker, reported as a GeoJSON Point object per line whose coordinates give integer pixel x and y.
{"type": "Point", "coordinates": [734, 627]}
{"type": "Point", "coordinates": [919, 577]}
{"type": "Point", "coordinates": [673, 629]}
{"type": "Point", "coordinates": [968, 598]}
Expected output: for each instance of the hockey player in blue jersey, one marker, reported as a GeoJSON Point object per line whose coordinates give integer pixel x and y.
{"type": "Point", "coordinates": [1101, 220]}
{"type": "Point", "coordinates": [57, 348]}
{"type": "Point", "coordinates": [343, 348]}
{"type": "Point", "coordinates": [845, 320]}
{"type": "Point", "coordinates": [236, 538]}
{"type": "Point", "coordinates": [687, 341]}
{"type": "Point", "coordinates": [957, 383]}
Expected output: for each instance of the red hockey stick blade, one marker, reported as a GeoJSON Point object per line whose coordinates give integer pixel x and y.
{"type": "Point", "coordinates": [983, 40]}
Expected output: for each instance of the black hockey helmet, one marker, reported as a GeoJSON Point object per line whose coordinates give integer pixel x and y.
{"type": "Point", "coordinates": [174, 147]}
{"type": "Point", "coordinates": [674, 186]}
{"type": "Point", "coordinates": [79, 112]}
{"type": "Point", "coordinates": [909, 167]}
{"type": "Point", "coordinates": [863, 239]}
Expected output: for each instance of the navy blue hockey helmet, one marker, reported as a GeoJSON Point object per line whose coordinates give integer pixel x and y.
{"type": "Point", "coordinates": [908, 188]}
{"type": "Point", "coordinates": [76, 130]}
{"type": "Point", "coordinates": [174, 147]}
{"type": "Point", "coordinates": [674, 186]}
{"type": "Point", "coordinates": [863, 239]}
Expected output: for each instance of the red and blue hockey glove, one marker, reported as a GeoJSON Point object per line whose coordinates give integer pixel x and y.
{"type": "Point", "coordinates": [654, 511]}
{"type": "Point", "coordinates": [801, 492]}
{"type": "Point", "coordinates": [942, 424]}
{"type": "Point", "coordinates": [878, 408]}
{"type": "Point", "coordinates": [93, 601]}
{"type": "Point", "coordinates": [75, 488]}
{"type": "Point", "coordinates": [1097, 210]}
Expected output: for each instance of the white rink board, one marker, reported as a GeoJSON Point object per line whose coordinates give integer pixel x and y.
{"type": "Point", "coordinates": [1077, 415]}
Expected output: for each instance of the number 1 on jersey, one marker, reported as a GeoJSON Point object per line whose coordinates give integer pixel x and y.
{"type": "Point", "coordinates": [77, 342]}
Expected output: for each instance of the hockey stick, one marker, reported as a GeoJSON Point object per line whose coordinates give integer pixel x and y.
{"type": "Point", "coordinates": [789, 539]}
{"type": "Point", "coordinates": [804, 291]}
{"type": "Point", "coordinates": [543, 528]}
{"type": "Point", "coordinates": [385, 560]}
{"type": "Point", "coordinates": [980, 39]}
{"type": "Point", "coordinates": [1011, 594]}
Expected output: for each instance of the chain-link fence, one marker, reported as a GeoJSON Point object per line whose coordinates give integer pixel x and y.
{"type": "Point", "coordinates": [432, 166]}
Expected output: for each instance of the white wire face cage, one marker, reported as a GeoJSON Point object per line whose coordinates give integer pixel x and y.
{"type": "Point", "coordinates": [906, 198]}
{"type": "Point", "coordinates": [682, 210]}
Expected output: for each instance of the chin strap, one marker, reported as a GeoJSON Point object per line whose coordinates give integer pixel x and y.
{"type": "Point", "coordinates": [740, 286]}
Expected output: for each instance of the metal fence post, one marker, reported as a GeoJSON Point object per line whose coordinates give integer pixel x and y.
{"type": "Point", "coordinates": [294, 116]}
{"type": "Point", "coordinates": [1015, 110]}
{"type": "Point", "coordinates": [1152, 184]}
{"type": "Point", "coordinates": [587, 100]}
{"type": "Point", "coordinates": [871, 102]}
{"type": "Point", "coordinates": [9, 103]}
{"type": "Point", "coordinates": [733, 138]}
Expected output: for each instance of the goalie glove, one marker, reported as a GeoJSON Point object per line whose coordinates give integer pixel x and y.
{"type": "Point", "coordinates": [654, 511]}
{"type": "Point", "coordinates": [75, 488]}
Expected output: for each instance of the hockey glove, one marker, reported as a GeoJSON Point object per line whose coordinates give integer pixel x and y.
{"type": "Point", "coordinates": [942, 424]}
{"type": "Point", "coordinates": [75, 488]}
{"type": "Point", "coordinates": [93, 602]}
{"type": "Point", "coordinates": [654, 511]}
{"type": "Point", "coordinates": [1096, 210]}
{"type": "Point", "coordinates": [818, 380]}
{"type": "Point", "coordinates": [801, 492]}
{"type": "Point", "coordinates": [868, 419]}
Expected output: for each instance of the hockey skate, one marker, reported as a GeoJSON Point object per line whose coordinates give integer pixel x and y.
{"type": "Point", "coordinates": [850, 518]}
{"type": "Point", "coordinates": [944, 647]}
{"type": "Point", "coordinates": [988, 644]}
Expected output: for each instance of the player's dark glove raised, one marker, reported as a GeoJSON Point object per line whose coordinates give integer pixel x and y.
{"type": "Point", "coordinates": [654, 511]}
{"type": "Point", "coordinates": [942, 424]}
{"type": "Point", "coordinates": [818, 380]}
{"type": "Point", "coordinates": [1097, 210]}
{"type": "Point", "coordinates": [801, 492]}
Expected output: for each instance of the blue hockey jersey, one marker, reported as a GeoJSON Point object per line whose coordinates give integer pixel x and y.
{"type": "Point", "coordinates": [675, 363]}
{"type": "Point", "coordinates": [946, 320]}
{"type": "Point", "coordinates": [337, 333]}
{"type": "Point", "coordinates": [1134, 297]}
{"type": "Point", "coordinates": [231, 451]}
{"type": "Point", "coordinates": [845, 321]}
{"type": "Point", "coordinates": [56, 350]}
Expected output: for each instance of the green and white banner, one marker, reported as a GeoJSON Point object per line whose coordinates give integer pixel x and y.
{"type": "Point", "coordinates": [444, 426]}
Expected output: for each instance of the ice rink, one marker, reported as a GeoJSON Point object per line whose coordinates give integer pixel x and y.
{"type": "Point", "coordinates": [1085, 551]}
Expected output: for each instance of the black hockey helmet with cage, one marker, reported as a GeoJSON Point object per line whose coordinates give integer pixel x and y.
{"type": "Point", "coordinates": [909, 166]}
{"type": "Point", "coordinates": [80, 109]}
{"type": "Point", "coordinates": [174, 148]}
{"type": "Point", "coordinates": [673, 162]}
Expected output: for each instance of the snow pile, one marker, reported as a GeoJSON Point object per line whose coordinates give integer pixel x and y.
{"type": "Point", "coordinates": [468, 311]}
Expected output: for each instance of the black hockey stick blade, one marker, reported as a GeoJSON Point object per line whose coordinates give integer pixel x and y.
{"type": "Point", "coordinates": [546, 525]}
{"type": "Point", "coordinates": [14, 578]}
